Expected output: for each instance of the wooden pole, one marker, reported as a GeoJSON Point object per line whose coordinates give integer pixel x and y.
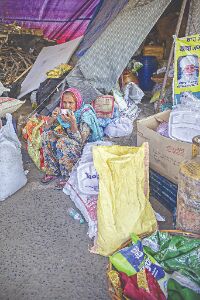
{"type": "Point", "coordinates": [21, 75]}
{"type": "Point", "coordinates": [172, 48]}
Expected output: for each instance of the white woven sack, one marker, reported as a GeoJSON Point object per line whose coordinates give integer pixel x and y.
{"type": "Point", "coordinates": [12, 176]}
{"type": "Point", "coordinates": [88, 179]}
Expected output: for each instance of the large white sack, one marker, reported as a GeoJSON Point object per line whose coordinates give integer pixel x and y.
{"type": "Point", "coordinates": [85, 202]}
{"type": "Point", "coordinates": [88, 179]}
{"type": "Point", "coordinates": [12, 176]}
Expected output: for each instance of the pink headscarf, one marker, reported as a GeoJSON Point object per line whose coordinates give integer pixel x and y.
{"type": "Point", "coordinates": [77, 96]}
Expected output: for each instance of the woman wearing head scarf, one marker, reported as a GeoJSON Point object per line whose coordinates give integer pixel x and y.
{"type": "Point", "coordinates": [71, 126]}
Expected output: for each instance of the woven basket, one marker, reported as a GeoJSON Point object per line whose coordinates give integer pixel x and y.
{"type": "Point", "coordinates": [111, 289]}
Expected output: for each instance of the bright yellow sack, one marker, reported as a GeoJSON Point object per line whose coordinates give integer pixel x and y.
{"type": "Point", "coordinates": [123, 205]}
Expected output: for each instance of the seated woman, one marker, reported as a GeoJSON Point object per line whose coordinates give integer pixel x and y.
{"type": "Point", "coordinates": [71, 126]}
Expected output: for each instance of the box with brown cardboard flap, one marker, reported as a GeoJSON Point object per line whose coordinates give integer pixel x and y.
{"type": "Point", "coordinates": [165, 154]}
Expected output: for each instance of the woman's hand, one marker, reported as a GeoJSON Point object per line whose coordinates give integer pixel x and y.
{"type": "Point", "coordinates": [55, 113]}
{"type": "Point", "coordinates": [70, 118]}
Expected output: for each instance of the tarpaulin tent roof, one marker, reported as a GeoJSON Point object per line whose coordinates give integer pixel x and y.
{"type": "Point", "coordinates": [105, 15]}
{"type": "Point", "coordinates": [103, 63]}
{"type": "Point", "coordinates": [109, 45]}
{"type": "Point", "coordinates": [60, 20]}
{"type": "Point", "coordinates": [193, 25]}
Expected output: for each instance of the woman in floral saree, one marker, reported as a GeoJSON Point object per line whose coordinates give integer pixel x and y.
{"type": "Point", "coordinates": [70, 127]}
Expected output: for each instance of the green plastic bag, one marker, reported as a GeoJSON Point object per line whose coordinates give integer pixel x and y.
{"type": "Point", "coordinates": [175, 253]}
{"type": "Point", "coordinates": [179, 292]}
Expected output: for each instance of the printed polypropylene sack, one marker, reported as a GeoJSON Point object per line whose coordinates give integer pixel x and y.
{"type": "Point", "coordinates": [123, 203]}
{"type": "Point", "coordinates": [133, 259]}
{"type": "Point", "coordinates": [87, 150]}
{"type": "Point", "coordinates": [12, 174]}
{"type": "Point", "coordinates": [86, 203]}
{"type": "Point", "coordinates": [88, 179]}
{"type": "Point", "coordinates": [104, 106]}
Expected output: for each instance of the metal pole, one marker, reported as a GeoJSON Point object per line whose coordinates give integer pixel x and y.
{"type": "Point", "coordinates": [172, 48]}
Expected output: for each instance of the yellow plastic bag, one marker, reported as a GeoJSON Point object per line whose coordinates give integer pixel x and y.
{"type": "Point", "coordinates": [123, 205]}
{"type": "Point", "coordinates": [58, 71]}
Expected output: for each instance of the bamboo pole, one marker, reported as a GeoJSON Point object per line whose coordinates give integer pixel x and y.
{"type": "Point", "coordinates": [172, 48]}
{"type": "Point", "coordinates": [21, 75]}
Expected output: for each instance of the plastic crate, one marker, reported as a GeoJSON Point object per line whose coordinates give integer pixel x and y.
{"type": "Point", "coordinates": [163, 190]}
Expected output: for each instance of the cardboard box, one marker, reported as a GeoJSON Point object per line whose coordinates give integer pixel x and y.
{"type": "Point", "coordinates": [154, 50]}
{"type": "Point", "coordinates": [165, 154]}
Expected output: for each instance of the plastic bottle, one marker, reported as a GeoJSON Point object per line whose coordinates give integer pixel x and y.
{"type": "Point", "coordinates": [75, 215]}
{"type": "Point", "coordinates": [33, 99]}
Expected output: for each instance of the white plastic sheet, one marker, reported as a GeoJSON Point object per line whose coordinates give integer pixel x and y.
{"type": "Point", "coordinates": [3, 89]}
{"type": "Point", "coordinates": [49, 58]}
{"type": "Point", "coordinates": [133, 94]}
{"type": "Point", "coordinates": [120, 127]}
